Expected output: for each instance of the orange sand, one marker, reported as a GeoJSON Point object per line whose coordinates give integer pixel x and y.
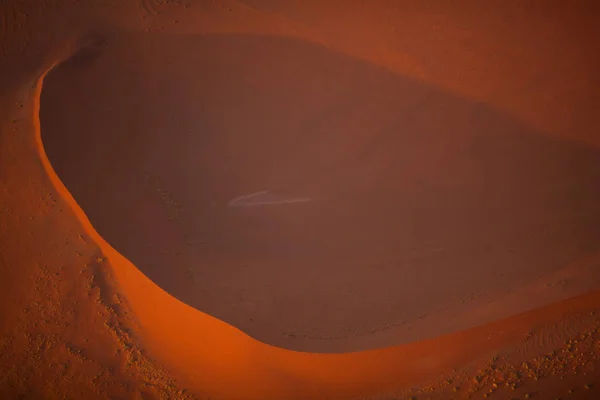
{"type": "Point", "coordinates": [48, 322]}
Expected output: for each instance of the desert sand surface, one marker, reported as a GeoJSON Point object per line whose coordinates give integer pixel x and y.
{"type": "Point", "coordinates": [200, 199]}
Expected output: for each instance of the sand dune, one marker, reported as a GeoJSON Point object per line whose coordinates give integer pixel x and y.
{"type": "Point", "coordinates": [424, 205]}
{"type": "Point", "coordinates": [222, 361]}
{"type": "Point", "coordinates": [434, 221]}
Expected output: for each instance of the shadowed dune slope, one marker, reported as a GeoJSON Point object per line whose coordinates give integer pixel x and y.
{"type": "Point", "coordinates": [423, 205]}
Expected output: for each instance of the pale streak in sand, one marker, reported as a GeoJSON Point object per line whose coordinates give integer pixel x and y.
{"type": "Point", "coordinates": [241, 201]}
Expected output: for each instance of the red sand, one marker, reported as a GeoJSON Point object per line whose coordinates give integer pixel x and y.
{"type": "Point", "coordinates": [85, 320]}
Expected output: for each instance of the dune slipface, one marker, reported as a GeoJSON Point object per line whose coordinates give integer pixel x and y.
{"type": "Point", "coordinates": [315, 201]}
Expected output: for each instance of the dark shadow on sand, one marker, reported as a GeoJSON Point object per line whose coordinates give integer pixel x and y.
{"type": "Point", "coordinates": [419, 198]}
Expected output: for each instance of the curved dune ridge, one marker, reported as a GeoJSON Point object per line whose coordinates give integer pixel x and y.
{"type": "Point", "coordinates": [390, 211]}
